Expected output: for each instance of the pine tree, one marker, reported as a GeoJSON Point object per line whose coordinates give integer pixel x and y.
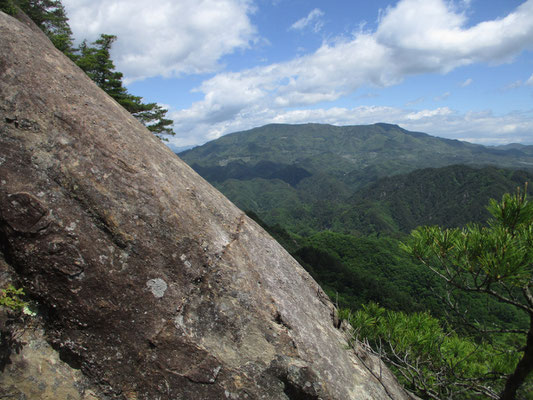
{"type": "Point", "coordinates": [429, 357]}
{"type": "Point", "coordinates": [8, 6]}
{"type": "Point", "coordinates": [96, 61]}
{"type": "Point", "coordinates": [49, 15]}
{"type": "Point", "coordinates": [494, 260]}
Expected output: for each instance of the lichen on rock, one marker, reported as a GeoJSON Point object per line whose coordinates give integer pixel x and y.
{"type": "Point", "coordinates": [157, 286]}
{"type": "Point", "coordinates": [151, 283]}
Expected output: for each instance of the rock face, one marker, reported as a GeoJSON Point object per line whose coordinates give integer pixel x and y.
{"type": "Point", "coordinates": [150, 282]}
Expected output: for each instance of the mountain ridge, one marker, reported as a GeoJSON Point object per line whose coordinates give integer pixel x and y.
{"type": "Point", "coordinates": [353, 147]}
{"type": "Point", "coordinates": [303, 172]}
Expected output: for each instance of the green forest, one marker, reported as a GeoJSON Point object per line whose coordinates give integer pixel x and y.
{"type": "Point", "coordinates": [393, 299]}
{"type": "Point", "coordinates": [424, 244]}
{"type": "Point", "coordinates": [343, 202]}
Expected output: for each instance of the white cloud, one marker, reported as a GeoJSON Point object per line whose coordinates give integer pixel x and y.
{"type": "Point", "coordinates": [478, 127]}
{"type": "Point", "coordinates": [163, 37]}
{"type": "Point", "coordinates": [171, 38]}
{"type": "Point", "coordinates": [466, 83]}
{"type": "Point", "coordinates": [414, 37]}
{"type": "Point", "coordinates": [530, 81]}
{"type": "Point", "coordinates": [513, 85]}
{"type": "Point", "coordinates": [415, 116]}
{"type": "Point", "coordinates": [428, 36]}
{"type": "Point", "coordinates": [313, 18]}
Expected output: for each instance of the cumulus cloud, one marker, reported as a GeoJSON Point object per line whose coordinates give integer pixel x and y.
{"type": "Point", "coordinates": [312, 19]}
{"type": "Point", "coordinates": [413, 37]}
{"type": "Point", "coordinates": [427, 35]}
{"type": "Point", "coordinates": [477, 127]}
{"type": "Point", "coordinates": [172, 38]}
{"type": "Point", "coordinates": [162, 37]}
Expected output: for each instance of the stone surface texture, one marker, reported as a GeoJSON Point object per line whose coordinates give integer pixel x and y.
{"type": "Point", "coordinates": [150, 283]}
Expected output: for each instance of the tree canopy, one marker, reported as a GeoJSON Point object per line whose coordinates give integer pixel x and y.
{"type": "Point", "coordinates": [495, 261]}
{"type": "Point", "coordinates": [49, 15]}
{"type": "Point", "coordinates": [96, 61]}
{"type": "Point", "coordinates": [461, 356]}
{"type": "Point", "coordinates": [429, 357]}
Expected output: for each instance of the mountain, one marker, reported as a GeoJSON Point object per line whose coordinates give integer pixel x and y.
{"type": "Point", "coordinates": [308, 177]}
{"type": "Point", "coordinates": [178, 149]}
{"type": "Point", "coordinates": [147, 283]}
{"type": "Point", "coordinates": [379, 149]}
{"type": "Point", "coordinates": [449, 196]}
{"type": "Point", "coordinates": [527, 149]}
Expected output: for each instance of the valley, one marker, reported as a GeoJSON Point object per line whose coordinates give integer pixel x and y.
{"type": "Point", "coordinates": [343, 200]}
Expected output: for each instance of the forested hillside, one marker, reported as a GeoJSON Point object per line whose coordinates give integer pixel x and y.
{"type": "Point", "coordinates": [300, 183]}
{"type": "Point", "coordinates": [373, 150]}
{"type": "Point", "coordinates": [450, 197]}
{"type": "Point", "coordinates": [342, 201]}
{"type": "Point", "coordinates": [358, 179]}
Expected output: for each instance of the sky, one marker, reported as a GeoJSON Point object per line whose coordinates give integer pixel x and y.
{"type": "Point", "coordinates": [459, 69]}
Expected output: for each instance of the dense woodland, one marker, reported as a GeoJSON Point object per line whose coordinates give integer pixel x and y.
{"type": "Point", "coordinates": [343, 200]}
{"type": "Point", "coordinates": [310, 177]}
{"type": "Point", "coordinates": [345, 207]}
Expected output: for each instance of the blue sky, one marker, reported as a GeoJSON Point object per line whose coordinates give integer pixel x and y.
{"type": "Point", "coordinates": [460, 69]}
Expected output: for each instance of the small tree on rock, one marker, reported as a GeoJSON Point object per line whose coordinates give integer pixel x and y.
{"type": "Point", "coordinates": [49, 15]}
{"type": "Point", "coordinates": [96, 61]}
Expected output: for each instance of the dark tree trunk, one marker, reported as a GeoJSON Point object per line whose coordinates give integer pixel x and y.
{"type": "Point", "coordinates": [523, 368]}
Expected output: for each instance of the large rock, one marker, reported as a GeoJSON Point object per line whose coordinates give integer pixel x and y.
{"type": "Point", "coordinates": [149, 281]}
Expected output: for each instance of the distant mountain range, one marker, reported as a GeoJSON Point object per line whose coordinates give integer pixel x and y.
{"type": "Point", "coordinates": [381, 148]}
{"type": "Point", "coordinates": [178, 149]}
{"type": "Point", "coordinates": [528, 149]}
{"type": "Point", "coordinates": [358, 178]}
